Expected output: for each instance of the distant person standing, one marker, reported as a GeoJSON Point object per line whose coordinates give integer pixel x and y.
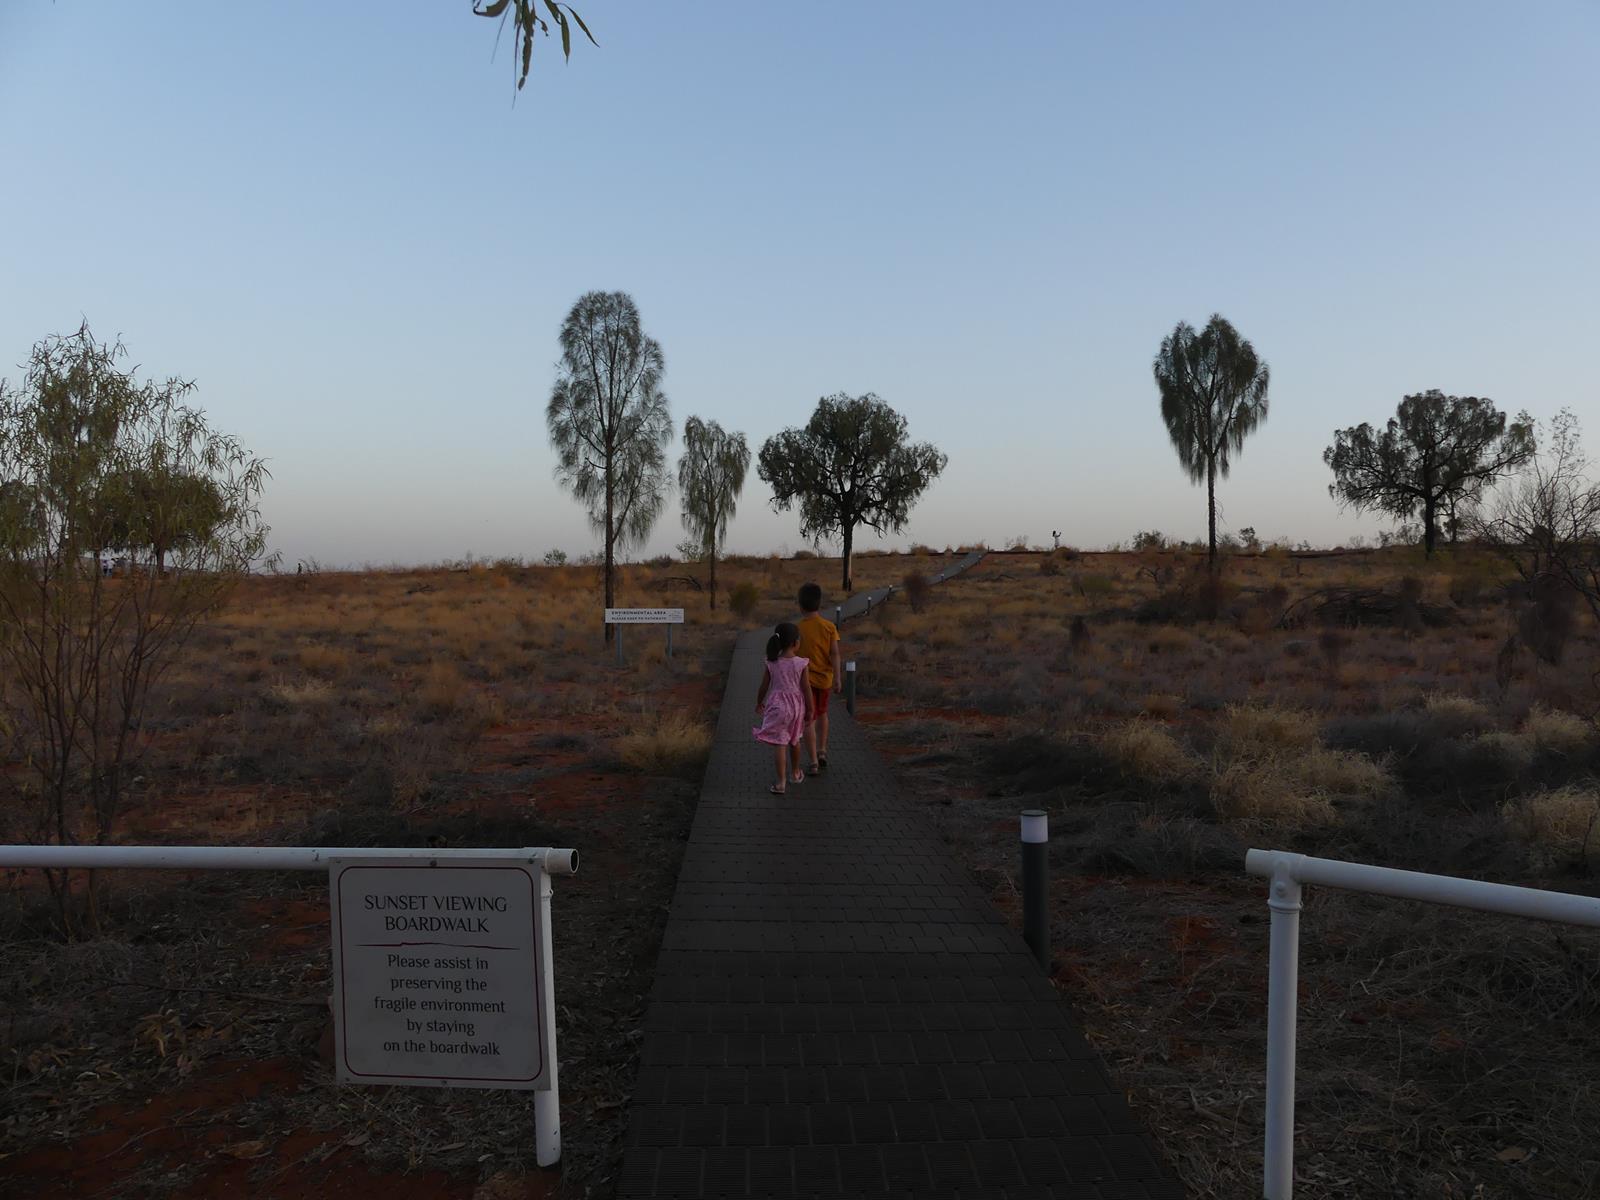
{"type": "Point", "coordinates": [819, 644]}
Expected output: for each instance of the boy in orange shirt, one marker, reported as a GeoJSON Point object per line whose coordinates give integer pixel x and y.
{"type": "Point", "coordinates": [819, 642]}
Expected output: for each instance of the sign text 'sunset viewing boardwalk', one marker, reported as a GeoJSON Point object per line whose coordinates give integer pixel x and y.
{"type": "Point", "coordinates": [838, 1011]}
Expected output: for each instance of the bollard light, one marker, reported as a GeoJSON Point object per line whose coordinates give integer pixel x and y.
{"type": "Point", "coordinates": [1036, 883]}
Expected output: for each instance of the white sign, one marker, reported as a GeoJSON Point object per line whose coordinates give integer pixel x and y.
{"type": "Point", "coordinates": [439, 973]}
{"type": "Point", "coordinates": [644, 616]}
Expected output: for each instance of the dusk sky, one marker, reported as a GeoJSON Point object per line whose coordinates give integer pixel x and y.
{"type": "Point", "coordinates": [337, 221]}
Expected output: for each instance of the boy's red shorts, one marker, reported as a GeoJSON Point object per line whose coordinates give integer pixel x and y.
{"type": "Point", "coordinates": [819, 700]}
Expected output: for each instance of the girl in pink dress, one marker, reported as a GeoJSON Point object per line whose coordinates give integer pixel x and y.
{"type": "Point", "coordinates": [784, 704]}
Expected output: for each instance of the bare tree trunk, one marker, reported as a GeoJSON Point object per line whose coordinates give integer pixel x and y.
{"type": "Point", "coordinates": [1211, 509]}
{"type": "Point", "coordinates": [849, 542]}
{"type": "Point", "coordinates": [1430, 533]}
{"type": "Point", "coordinates": [713, 566]}
{"type": "Point", "coordinates": [611, 555]}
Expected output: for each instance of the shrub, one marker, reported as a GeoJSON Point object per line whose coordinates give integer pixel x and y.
{"type": "Point", "coordinates": [673, 744]}
{"type": "Point", "coordinates": [802, 554]}
{"type": "Point", "coordinates": [1149, 539]}
{"type": "Point", "coordinates": [916, 588]}
{"type": "Point", "coordinates": [1078, 636]}
{"type": "Point", "coordinates": [1049, 565]}
{"type": "Point", "coordinates": [1093, 585]}
{"type": "Point", "coordinates": [1149, 752]}
{"type": "Point", "coordinates": [743, 598]}
{"type": "Point", "coordinates": [1171, 641]}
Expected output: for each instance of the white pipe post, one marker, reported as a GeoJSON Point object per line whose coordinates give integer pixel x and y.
{"type": "Point", "coordinates": [1283, 997]}
{"type": "Point", "coordinates": [547, 1103]}
{"type": "Point", "coordinates": [850, 687]}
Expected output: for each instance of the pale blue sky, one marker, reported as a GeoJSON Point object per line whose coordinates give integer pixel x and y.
{"type": "Point", "coordinates": [334, 218]}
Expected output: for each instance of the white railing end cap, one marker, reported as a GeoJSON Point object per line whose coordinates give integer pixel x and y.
{"type": "Point", "coordinates": [557, 861]}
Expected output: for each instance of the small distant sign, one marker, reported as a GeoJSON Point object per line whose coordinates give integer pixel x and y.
{"type": "Point", "coordinates": [438, 973]}
{"type": "Point", "coordinates": [644, 616]}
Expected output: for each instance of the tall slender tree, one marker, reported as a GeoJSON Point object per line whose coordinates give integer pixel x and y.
{"type": "Point", "coordinates": [710, 477]}
{"type": "Point", "coordinates": [609, 424]}
{"type": "Point", "coordinates": [1213, 395]}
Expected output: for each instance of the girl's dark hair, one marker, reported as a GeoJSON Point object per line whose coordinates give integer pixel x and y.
{"type": "Point", "coordinates": [784, 636]}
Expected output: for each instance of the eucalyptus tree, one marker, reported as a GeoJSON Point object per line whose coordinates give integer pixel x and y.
{"type": "Point", "coordinates": [1435, 456]}
{"type": "Point", "coordinates": [608, 422]}
{"type": "Point", "coordinates": [710, 478]}
{"type": "Point", "coordinates": [1213, 395]}
{"type": "Point", "coordinates": [851, 465]}
{"type": "Point", "coordinates": [528, 23]}
{"type": "Point", "coordinates": [93, 458]}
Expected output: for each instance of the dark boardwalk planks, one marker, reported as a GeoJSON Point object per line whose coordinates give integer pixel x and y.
{"type": "Point", "coordinates": [839, 1012]}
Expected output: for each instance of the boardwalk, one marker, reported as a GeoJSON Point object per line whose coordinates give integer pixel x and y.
{"type": "Point", "coordinates": [838, 1011]}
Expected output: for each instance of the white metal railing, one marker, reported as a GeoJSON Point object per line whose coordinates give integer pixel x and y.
{"type": "Point", "coordinates": [550, 861]}
{"type": "Point", "coordinates": [1288, 873]}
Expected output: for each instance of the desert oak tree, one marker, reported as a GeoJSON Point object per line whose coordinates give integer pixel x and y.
{"type": "Point", "coordinates": [1435, 455]}
{"type": "Point", "coordinates": [1213, 395]}
{"type": "Point", "coordinates": [850, 465]}
{"type": "Point", "coordinates": [92, 459]}
{"type": "Point", "coordinates": [608, 422]}
{"type": "Point", "coordinates": [710, 478]}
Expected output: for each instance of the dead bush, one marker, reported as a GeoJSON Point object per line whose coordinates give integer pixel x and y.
{"type": "Point", "coordinates": [1547, 617]}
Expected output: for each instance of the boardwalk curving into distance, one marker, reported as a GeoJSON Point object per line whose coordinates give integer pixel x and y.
{"type": "Point", "coordinates": [838, 1011]}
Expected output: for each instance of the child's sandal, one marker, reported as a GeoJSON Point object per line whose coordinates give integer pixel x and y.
{"type": "Point", "coordinates": [775, 790]}
{"type": "Point", "coordinates": [798, 777]}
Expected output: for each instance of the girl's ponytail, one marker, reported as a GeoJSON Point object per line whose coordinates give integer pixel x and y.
{"type": "Point", "coordinates": [774, 648]}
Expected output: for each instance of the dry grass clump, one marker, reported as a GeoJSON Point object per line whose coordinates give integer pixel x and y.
{"type": "Point", "coordinates": [1343, 773]}
{"type": "Point", "coordinates": [1550, 731]}
{"type": "Point", "coordinates": [1265, 729]}
{"type": "Point", "coordinates": [301, 692]}
{"type": "Point", "coordinates": [1271, 765]}
{"type": "Point", "coordinates": [1147, 751]}
{"type": "Point", "coordinates": [441, 691]}
{"type": "Point", "coordinates": [1558, 825]}
{"type": "Point", "coordinates": [1458, 714]}
{"type": "Point", "coordinates": [672, 744]}
{"type": "Point", "coordinates": [1267, 789]}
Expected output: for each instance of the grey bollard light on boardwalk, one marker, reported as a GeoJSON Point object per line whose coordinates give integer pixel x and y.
{"type": "Point", "coordinates": [850, 687]}
{"type": "Point", "coordinates": [1036, 883]}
